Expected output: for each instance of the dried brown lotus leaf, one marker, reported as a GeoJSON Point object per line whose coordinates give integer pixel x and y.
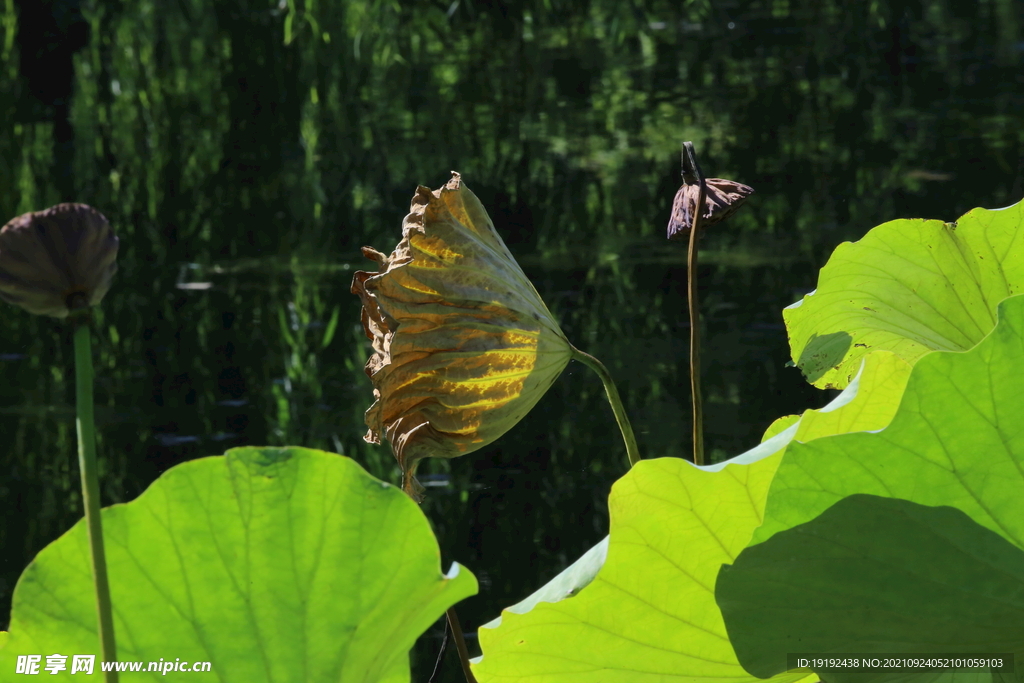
{"type": "Point", "coordinates": [463, 345]}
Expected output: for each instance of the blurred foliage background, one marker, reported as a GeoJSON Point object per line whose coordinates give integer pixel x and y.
{"type": "Point", "coordinates": [244, 150]}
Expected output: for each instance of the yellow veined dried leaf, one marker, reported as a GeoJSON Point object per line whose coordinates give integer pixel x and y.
{"type": "Point", "coordinates": [463, 345]}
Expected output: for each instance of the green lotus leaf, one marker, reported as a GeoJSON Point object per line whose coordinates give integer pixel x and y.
{"type": "Point", "coordinates": [670, 522]}
{"type": "Point", "coordinates": [272, 564]}
{"type": "Point", "coordinates": [910, 287]}
{"type": "Point", "coordinates": [875, 575]}
{"type": "Point", "coordinates": [883, 377]}
{"type": "Point", "coordinates": [649, 614]}
{"type": "Point", "coordinates": [956, 441]}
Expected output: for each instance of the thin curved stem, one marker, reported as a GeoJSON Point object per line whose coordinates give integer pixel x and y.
{"type": "Point", "coordinates": [613, 398]}
{"type": "Point", "coordinates": [694, 306]}
{"type": "Point", "coordinates": [441, 653]}
{"type": "Point", "coordinates": [91, 491]}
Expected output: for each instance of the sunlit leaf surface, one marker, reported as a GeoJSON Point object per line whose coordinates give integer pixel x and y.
{"type": "Point", "coordinates": [884, 378]}
{"type": "Point", "coordinates": [649, 615]}
{"type": "Point", "coordinates": [956, 441]}
{"type": "Point", "coordinates": [273, 564]}
{"type": "Point", "coordinates": [910, 287]}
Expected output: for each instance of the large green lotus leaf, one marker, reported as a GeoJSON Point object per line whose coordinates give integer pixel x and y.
{"type": "Point", "coordinates": [649, 614]}
{"type": "Point", "coordinates": [910, 287]}
{"type": "Point", "coordinates": [883, 377]}
{"type": "Point", "coordinates": [273, 564]}
{"type": "Point", "coordinates": [957, 439]}
{"type": "Point", "coordinates": [867, 403]}
{"type": "Point", "coordinates": [875, 575]}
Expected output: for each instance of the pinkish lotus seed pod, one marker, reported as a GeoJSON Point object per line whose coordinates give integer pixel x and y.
{"type": "Point", "coordinates": [57, 260]}
{"type": "Point", "coordinates": [721, 199]}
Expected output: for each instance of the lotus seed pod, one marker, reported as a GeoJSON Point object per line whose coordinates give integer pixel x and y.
{"type": "Point", "coordinates": [57, 260]}
{"type": "Point", "coordinates": [721, 199]}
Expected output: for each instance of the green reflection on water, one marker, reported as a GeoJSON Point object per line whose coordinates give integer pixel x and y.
{"type": "Point", "coordinates": [243, 175]}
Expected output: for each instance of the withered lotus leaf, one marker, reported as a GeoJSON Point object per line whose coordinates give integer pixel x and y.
{"type": "Point", "coordinates": [463, 345]}
{"type": "Point", "coordinates": [721, 199]}
{"type": "Point", "coordinates": [53, 260]}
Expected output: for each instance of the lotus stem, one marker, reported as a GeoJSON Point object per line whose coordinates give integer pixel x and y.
{"type": "Point", "coordinates": [91, 490]}
{"type": "Point", "coordinates": [614, 400]}
{"type": "Point", "coordinates": [460, 644]}
{"type": "Point", "coordinates": [694, 306]}
{"type": "Point", "coordinates": [691, 169]}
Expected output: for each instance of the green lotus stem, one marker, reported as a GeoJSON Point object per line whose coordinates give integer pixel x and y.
{"type": "Point", "coordinates": [91, 490]}
{"type": "Point", "coordinates": [613, 398]}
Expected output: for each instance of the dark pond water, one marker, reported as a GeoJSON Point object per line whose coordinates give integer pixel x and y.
{"type": "Point", "coordinates": [243, 174]}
